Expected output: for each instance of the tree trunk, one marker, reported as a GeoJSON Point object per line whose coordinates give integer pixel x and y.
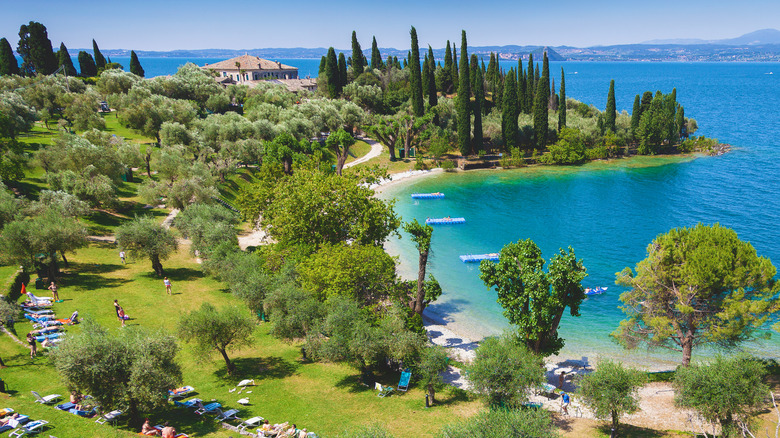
{"type": "Point", "coordinates": [287, 166]}
{"type": "Point", "coordinates": [391, 148]}
{"type": "Point", "coordinates": [687, 348]}
{"type": "Point", "coordinates": [419, 304]}
{"type": "Point", "coordinates": [64, 260]}
{"type": "Point", "coordinates": [156, 265]}
{"type": "Point", "coordinates": [53, 268]}
{"type": "Point", "coordinates": [230, 367]}
{"type": "Point", "coordinates": [134, 416]}
{"type": "Point", "coordinates": [2, 364]}
{"type": "Point", "coordinates": [431, 393]}
{"type": "Point", "coordinates": [615, 420]}
{"type": "Point", "coordinates": [148, 161]}
{"type": "Point", "coordinates": [341, 158]}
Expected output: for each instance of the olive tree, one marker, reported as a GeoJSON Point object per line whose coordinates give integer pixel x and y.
{"type": "Point", "coordinates": [143, 236]}
{"type": "Point", "coordinates": [612, 391]}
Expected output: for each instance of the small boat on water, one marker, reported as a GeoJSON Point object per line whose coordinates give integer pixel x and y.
{"type": "Point", "coordinates": [473, 258]}
{"type": "Point", "coordinates": [595, 290]}
{"type": "Point", "coordinates": [445, 220]}
{"type": "Point", "coordinates": [436, 195]}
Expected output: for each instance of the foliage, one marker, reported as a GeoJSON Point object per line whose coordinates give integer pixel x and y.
{"type": "Point", "coordinates": [611, 111]}
{"type": "Point", "coordinates": [504, 371]}
{"type": "Point", "coordinates": [340, 142]}
{"type": "Point", "coordinates": [728, 390]}
{"type": "Point", "coordinates": [87, 65]}
{"type": "Point", "coordinates": [508, 423]}
{"type": "Point", "coordinates": [181, 182]}
{"type": "Point", "coordinates": [35, 50]}
{"type": "Point", "coordinates": [143, 236]}
{"type": "Point", "coordinates": [116, 82]}
{"type": "Point", "coordinates": [415, 77]}
{"type": "Point", "coordinates": [699, 285]}
{"type": "Point", "coordinates": [464, 98]}
{"type": "Point", "coordinates": [421, 236]}
{"type": "Point", "coordinates": [569, 149]}
{"type": "Point", "coordinates": [313, 208]}
{"type": "Point", "coordinates": [16, 116]}
{"type": "Point", "coordinates": [64, 61]}
{"type": "Point", "coordinates": [534, 300]}
{"type": "Point", "coordinates": [133, 369]}
{"type": "Point", "coordinates": [509, 112]}
{"type": "Point", "coordinates": [365, 273]}
{"type": "Point", "coordinates": [207, 226]}
{"type": "Point", "coordinates": [145, 112]}
{"type": "Point", "coordinates": [612, 391]}
{"type": "Point", "coordinates": [100, 60]}
{"type": "Point", "coordinates": [135, 65]}
{"type": "Point", "coordinates": [221, 330]}
{"type": "Point", "coordinates": [8, 64]}
{"type": "Point", "coordinates": [429, 368]}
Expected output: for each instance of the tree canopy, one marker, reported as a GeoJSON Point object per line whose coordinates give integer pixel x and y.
{"type": "Point", "coordinates": [698, 285]}
{"type": "Point", "coordinates": [611, 391]}
{"type": "Point", "coordinates": [143, 236]}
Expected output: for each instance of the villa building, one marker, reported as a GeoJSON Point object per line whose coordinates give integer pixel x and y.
{"type": "Point", "coordinates": [246, 69]}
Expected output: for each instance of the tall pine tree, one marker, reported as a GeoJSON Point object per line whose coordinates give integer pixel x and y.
{"type": "Point", "coordinates": [479, 104]}
{"type": "Point", "coordinates": [357, 57]}
{"type": "Point", "coordinates": [464, 98]}
{"type": "Point", "coordinates": [562, 104]}
{"type": "Point", "coordinates": [35, 50]}
{"type": "Point", "coordinates": [8, 64]}
{"type": "Point", "coordinates": [473, 67]}
{"type": "Point", "coordinates": [522, 102]}
{"type": "Point", "coordinates": [430, 81]}
{"type": "Point", "coordinates": [541, 105]}
{"type": "Point", "coordinates": [530, 88]}
{"type": "Point", "coordinates": [446, 74]}
{"type": "Point", "coordinates": [100, 60]}
{"type": "Point", "coordinates": [87, 65]}
{"type": "Point", "coordinates": [636, 113]}
{"type": "Point", "coordinates": [611, 112]}
{"type": "Point", "coordinates": [135, 65]}
{"type": "Point", "coordinates": [376, 57]}
{"type": "Point", "coordinates": [509, 113]}
{"type": "Point", "coordinates": [342, 72]}
{"type": "Point", "coordinates": [64, 61]}
{"type": "Point", "coordinates": [415, 76]}
{"type": "Point", "coordinates": [455, 80]}
{"type": "Point", "coordinates": [332, 73]}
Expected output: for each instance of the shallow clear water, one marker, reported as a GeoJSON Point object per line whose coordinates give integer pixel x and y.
{"type": "Point", "coordinates": [609, 213]}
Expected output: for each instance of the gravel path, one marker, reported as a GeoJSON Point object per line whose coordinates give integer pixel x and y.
{"type": "Point", "coordinates": [376, 149]}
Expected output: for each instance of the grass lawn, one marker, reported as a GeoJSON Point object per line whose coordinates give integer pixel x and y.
{"type": "Point", "coordinates": [325, 398]}
{"type": "Point", "coordinates": [359, 149]}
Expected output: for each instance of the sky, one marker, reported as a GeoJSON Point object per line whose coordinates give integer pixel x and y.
{"type": "Point", "coordinates": [248, 24]}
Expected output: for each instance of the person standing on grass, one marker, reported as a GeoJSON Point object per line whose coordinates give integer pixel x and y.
{"type": "Point", "coordinates": [120, 312]}
{"type": "Point", "coordinates": [53, 288]}
{"type": "Point", "coordinates": [122, 256]}
{"type": "Point", "coordinates": [565, 402]}
{"type": "Point", "coordinates": [33, 345]}
{"type": "Point", "coordinates": [167, 284]}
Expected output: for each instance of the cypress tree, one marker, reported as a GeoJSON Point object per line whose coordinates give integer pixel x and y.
{"type": "Point", "coordinates": [396, 63]}
{"type": "Point", "coordinates": [342, 77]}
{"type": "Point", "coordinates": [455, 73]}
{"type": "Point", "coordinates": [479, 99]}
{"type": "Point", "coordinates": [63, 58]}
{"type": "Point", "coordinates": [636, 113]}
{"type": "Point", "coordinates": [135, 65]}
{"type": "Point", "coordinates": [680, 122]}
{"type": "Point", "coordinates": [492, 70]}
{"type": "Point", "coordinates": [87, 65]}
{"type": "Point", "coordinates": [415, 77]}
{"type": "Point", "coordinates": [376, 57]}
{"type": "Point", "coordinates": [611, 112]}
{"type": "Point", "coordinates": [332, 72]}
{"type": "Point", "coordinates": [647, 101]}
{"type": "Point", "coordinates": [529, 84]}
{"type": "Point", "coordinates": [562, 104]}
{"type": "Point", "coordinates": [464, 98]}
{"type": "Point", "coordinates": [553, 96]}
{"type": "Point", "coordinates": [446, 82]}
{"type": "Point", "coordinates": [323, 64]}
{"type": "Point", "coordinates": [540, 112]}
{"type": "Point", "coordinates": [522, 104]}
{"type": "Point", "coordinates": [8, 64]}
{"type": "Point", "coordinates": [357, 57]}
{"type": "Point", "coordinates": [473, 67]}
{"type": "Point", "coordinates": [537, 76]}
{"type": "Point", "coordinates": [35, 50]}
{"type": "Point", "coordinates": [430, 80]}
{"type": "Point", "coordinates": [100, 61]}
{"type": "Point", "coordinates": [509, 113]}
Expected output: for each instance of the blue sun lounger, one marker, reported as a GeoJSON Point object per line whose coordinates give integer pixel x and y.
{"type": "Point", "coordinates": [191, 403]}
{"type": "Point", "coordinates": [403, 384]}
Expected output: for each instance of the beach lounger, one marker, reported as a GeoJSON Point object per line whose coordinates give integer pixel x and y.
{"type": "Point", "coordinates": [30, 428]}
{"type": "Point", "coordinates": [49, 399]}
{"type": "Point", "coordinates": [211, 408]}
{"type": "Point", "coordinates": [227, 415]}
{"type": "Point", "coordinates": [39, 312]}
{"type": "Point", "coordinates": [252, 422]}
{"type": "Point", "coordinates": [41, 338]}
{"type": "Point", "coordinates": [45, 301]}
{"type": "Point", "coordinates": [14, 423]}
{"type": "Point", "coordinates": [384, 391]}
{"type": "Point", "coordinates": [111, 417]}
{"type": "Point", "coordinates": [89, 413]}
{"type": "Point", "coordinates": [178, 393]}
{"type": "Point", "coordinates": [191, 403]}
{"type": "Point", "coordinates": [6, 411]}
{"type": "Point", "coordinates": [403, 384]}
{"type": "Point", "coordinates": [65, 406]}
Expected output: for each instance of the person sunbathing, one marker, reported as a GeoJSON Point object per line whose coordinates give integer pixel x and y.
{"type": "Point", "coordinates": [8, 419]}
{"type": "Point", "coordinates": [168, 431]}
{"type": "Point", "coordinates": [147, 429]}
{"type": "Point", "coordinates": [178, 391]}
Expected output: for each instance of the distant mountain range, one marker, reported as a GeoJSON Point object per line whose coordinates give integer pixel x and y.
{"type": "Point", "coordinates": [761, 45]}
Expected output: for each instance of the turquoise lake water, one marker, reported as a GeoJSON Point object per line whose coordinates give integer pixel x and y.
{"type": "Point", "coordinates": [610, 213]}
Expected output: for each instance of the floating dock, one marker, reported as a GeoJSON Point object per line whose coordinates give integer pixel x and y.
{"type": "Point", "coordinates": [473, 258]}
{"type": "Point", "coordinates": [445, 220]}
{"type": "Point", "coordinates": [436, 195]}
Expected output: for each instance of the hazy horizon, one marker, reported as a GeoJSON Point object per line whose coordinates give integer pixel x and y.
{"type": "Point", "coordinates": [198, 24]}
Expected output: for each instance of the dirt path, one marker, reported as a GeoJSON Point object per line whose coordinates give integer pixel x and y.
{"type": "Point", "coordinates": [376, 150]}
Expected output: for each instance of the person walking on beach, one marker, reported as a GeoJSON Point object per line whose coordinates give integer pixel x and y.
{"type": "Point", "coordinates": [53, 288]}
{"type": "Point", "coordinates": [122, 256]}
{"type": "Point", "coordinates": [167, 284]}
{"type": "Point", "coordinates": [561, 378]}
{"type": "Point", "coordinates": [565, 402]}
{"type": "Point", "coordinates": [33, 345]}
{"type": "Point", "coordinates": [120, 312]}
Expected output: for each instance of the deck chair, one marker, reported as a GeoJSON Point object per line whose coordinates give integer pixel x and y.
{"type": "Point", "coordinates": [179, 393]}
{"type": "Point", "coordinates": [252, 422]}
{"type": "Point", "coordinates": [191, 403]}
{"type": "Point", "coordinates": [384, 391]}
{"type": "Point", "coordinates": [211, 408]}
{"type": "Point", "coordinates": [41, 338]}
{"type": "Point", "coordinates": [14, 423]}
{"type": "Point", "coordinates": [45, 301]}
{"type": "Point", "coordinates": [39, 312]}
{"type": "Point", "coordinates": [30, 428]}
{"type": "Point", "coordinates": [111, 417]}
{"type": "Point", "coordinates": [227, 415]}
{"type": "Point", "coordinates": [403, 384]}
{"type": "Point", "coordinates": [49, 399]}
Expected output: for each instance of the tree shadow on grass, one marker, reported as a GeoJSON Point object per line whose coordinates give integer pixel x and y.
{"type": "Point", "coordinates": [452, 396]}
{"type": "Point", "coordinates": [631, 431]}
{"type": "Point", "coordinates": [177, 274]}
{"type": "Point", "coordinates": [354, 384]}
{"type": "Point", "coordinates": [257, 368]}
